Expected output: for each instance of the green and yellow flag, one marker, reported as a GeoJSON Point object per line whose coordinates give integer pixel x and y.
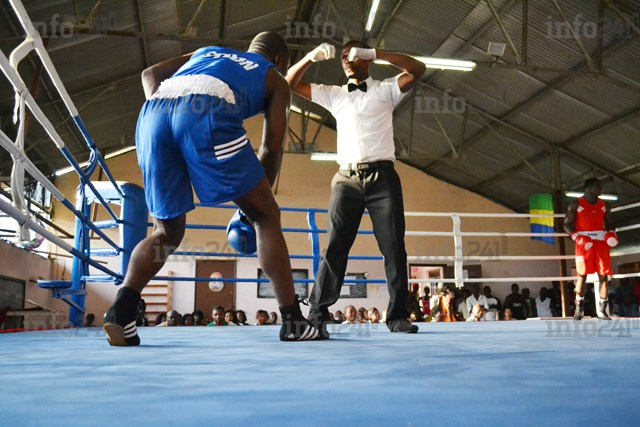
{"type": "Point", "coordinates": [541, 204]}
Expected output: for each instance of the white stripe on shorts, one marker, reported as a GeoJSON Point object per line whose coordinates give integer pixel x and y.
{"type": "Point", "coordinates": [230, 151]}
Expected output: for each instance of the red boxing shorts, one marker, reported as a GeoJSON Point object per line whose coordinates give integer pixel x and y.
{"type": "Point", "coordinates": [595, 260]}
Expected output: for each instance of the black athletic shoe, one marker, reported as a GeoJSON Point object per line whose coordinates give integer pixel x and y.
{"type": "Point", "coordinates": [320, 320]}
{"type": "Point", "coordinates": [402, 326]}
{"type": "Point", "coordinates": [295, 327]}
{"type": "Point", "coordinates": [602, 312]}
{"type": "Point", "coordinates": [579, 313]}
{"type": "Point", "coordinates": [120, 319]}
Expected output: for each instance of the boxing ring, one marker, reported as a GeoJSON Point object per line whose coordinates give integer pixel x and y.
{"type": "Point", "coordinates": [550, 371]}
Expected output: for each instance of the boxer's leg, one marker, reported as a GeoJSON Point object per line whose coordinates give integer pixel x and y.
{"type": "Point", "coordinates": [261, 208]}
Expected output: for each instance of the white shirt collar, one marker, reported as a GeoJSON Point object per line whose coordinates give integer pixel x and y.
{"type": "Point", "coordinates": [369, 81]}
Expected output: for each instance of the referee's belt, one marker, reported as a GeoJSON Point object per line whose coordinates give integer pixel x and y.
{"type": "Point", "coordinates": [380, 164]}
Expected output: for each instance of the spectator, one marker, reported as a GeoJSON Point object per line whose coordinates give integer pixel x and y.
{"type": "Point", "coordinates": [374, 315]}
{"type": "Point", "coordinates": [218, 315]}
{"type": "Point", "coordinates": [444, 311]}
{"type": "Point", "coordinates": [543, 303]}
{"type": "Point", "coordinates": [515, 302]}
{"type": "Point", "coordinates": [173, 319]}
{"type": "Point", "coordinates": [363, 315]}
{"type": "Point", "coordinates": [198, 318]}
{"type": "Point", "coordinates": [628, 307]}
{"type": "Point", "coordinates": [570, 303]}
{"type": "Point", "coordinates": [160, 318]}
{"type": "Point", "coordinates": [493, 312]}
{"type": "Point", "coordinates": [589, 302]}
{"type": "Point", "coordinates": [462, 305]}
{"type": "Point", "coordinates": [141, 318]}
{"type": "Point", "coordinates": [556, 299]}
{"type": "Point", "coordinates": [477, 313]}
{"type": "Point", "coordinates": [273, 318]}
{"type": "Point", "coordinates": [413, 303]}
{"type": "Point", "coordinates": [88, 321]}
{"type": "Point", "coordinates": [230, 317]}
{"type": "Point", "coordinates": [242, 318]}
{"type": "Point", "coordinates": [350, 314]}
{"type": "Point", "coordinates": [424, 302]}
{"type": "Point", "coordinates": [507, 314]}
{"type": "Point", "coordinates": [636, 291]}
{"type": "Point", "coordinates": [188, 320]}
{"type": "Point", "coordinates": [262, 318]}
{"type": "Point", "coordinates": [476, 298]}
{"type": "Point", "coordinates": [339, 317]}
{"type": "Point", "coordinates": [612, 297]}
{"type": "Point", "coordinates": [529, 305]}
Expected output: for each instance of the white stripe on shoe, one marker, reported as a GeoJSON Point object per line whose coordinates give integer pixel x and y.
{"type": "Point", "coordinates": [309, 333]}
{"type": "Point", "coordinates": [130, 330]}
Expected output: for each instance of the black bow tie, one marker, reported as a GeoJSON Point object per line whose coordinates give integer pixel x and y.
{"type": "Point", "coordinates": [362, 86]}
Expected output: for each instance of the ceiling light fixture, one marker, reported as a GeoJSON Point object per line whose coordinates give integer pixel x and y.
{"type": "Point", "coordinates": [372, 14]}
{"type": "Point", "coordinates": [442, 63]}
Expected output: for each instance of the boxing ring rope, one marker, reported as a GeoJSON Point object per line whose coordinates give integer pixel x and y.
{"type": "Point", "coordinates": [457, 259]}
{"type": "Point", "coordinates": [132, 210]}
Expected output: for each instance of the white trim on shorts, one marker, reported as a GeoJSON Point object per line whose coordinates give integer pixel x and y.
{"type": "Point", "coordinates": [199, 84]}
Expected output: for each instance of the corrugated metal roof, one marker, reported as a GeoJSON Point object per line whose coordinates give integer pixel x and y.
{"type": "Point", "coordinates": [544, 117]}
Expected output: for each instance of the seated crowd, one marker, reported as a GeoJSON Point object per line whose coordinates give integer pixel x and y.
{"type": "Point", "coordinates": [449, 304]}
{"type": "Point", "coordinates": [219, 317]}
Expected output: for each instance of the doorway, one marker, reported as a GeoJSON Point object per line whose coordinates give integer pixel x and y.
{"type": "Point", "coordinates": [206, 298]}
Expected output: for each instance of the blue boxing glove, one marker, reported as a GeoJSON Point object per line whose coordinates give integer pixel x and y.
{"type": "Point", "coordinates": [241, 234]}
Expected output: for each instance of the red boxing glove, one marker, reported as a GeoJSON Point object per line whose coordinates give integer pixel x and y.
{"type": "Point", "coordinates": [612, 239]}
{"type": "Point", "coordinates": [582, 240]}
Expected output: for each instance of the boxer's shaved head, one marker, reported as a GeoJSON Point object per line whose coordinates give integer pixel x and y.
{"type": "Point", "coordinates": [273, 47]}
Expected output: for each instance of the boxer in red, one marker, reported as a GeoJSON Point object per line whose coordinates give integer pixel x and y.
{"type": "Point", "coordinates": [588, 222]}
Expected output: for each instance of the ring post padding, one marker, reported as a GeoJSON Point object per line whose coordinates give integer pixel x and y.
{"type": "Point", "coordinates": [458, 272]}
{"type": "Point", "coordinates": [80, 267]}
{"type": "Point", "coordinates": [133, 226]}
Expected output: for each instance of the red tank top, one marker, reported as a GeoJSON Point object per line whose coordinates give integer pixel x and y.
{"type": "Point", "coordinates": [590, 217]}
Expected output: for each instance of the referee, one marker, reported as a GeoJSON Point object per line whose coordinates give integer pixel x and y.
{"type": "Point", "coordinates": [363, 109]}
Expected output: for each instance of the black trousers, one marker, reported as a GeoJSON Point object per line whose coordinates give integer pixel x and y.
{"type": "Point", "coordinates": [379, 191]}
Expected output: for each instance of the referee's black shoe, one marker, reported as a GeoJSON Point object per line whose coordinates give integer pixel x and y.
{"type": "Point", "coordinates": [319, 320]}
{"type": "Point", "coordinates": [402, 326]}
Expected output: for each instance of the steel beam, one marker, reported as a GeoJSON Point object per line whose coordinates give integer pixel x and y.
{"type": "Point", "coordinates": [505, 33]}
{"type": "Point", "coordinates": [195, 16]}
{"type": "Point", "coordinates": [145, 48]}
{"type": "Point", "coordinates": [583, 51]}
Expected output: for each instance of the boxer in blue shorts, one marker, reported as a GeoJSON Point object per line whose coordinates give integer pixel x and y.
{"type": "Point", "coordinates": [190, 134]}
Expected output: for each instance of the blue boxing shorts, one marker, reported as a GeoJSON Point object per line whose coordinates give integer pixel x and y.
{"type": "Point", "coordinates": [193, 139]}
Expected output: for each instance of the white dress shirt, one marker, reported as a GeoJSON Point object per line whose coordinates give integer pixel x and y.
{"type": "Point", "coordinates": [364, 119]}
{"type": "Point", "coordinates": [492, 313]}
{"type": "Point", "coordinates": [482, 300]}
